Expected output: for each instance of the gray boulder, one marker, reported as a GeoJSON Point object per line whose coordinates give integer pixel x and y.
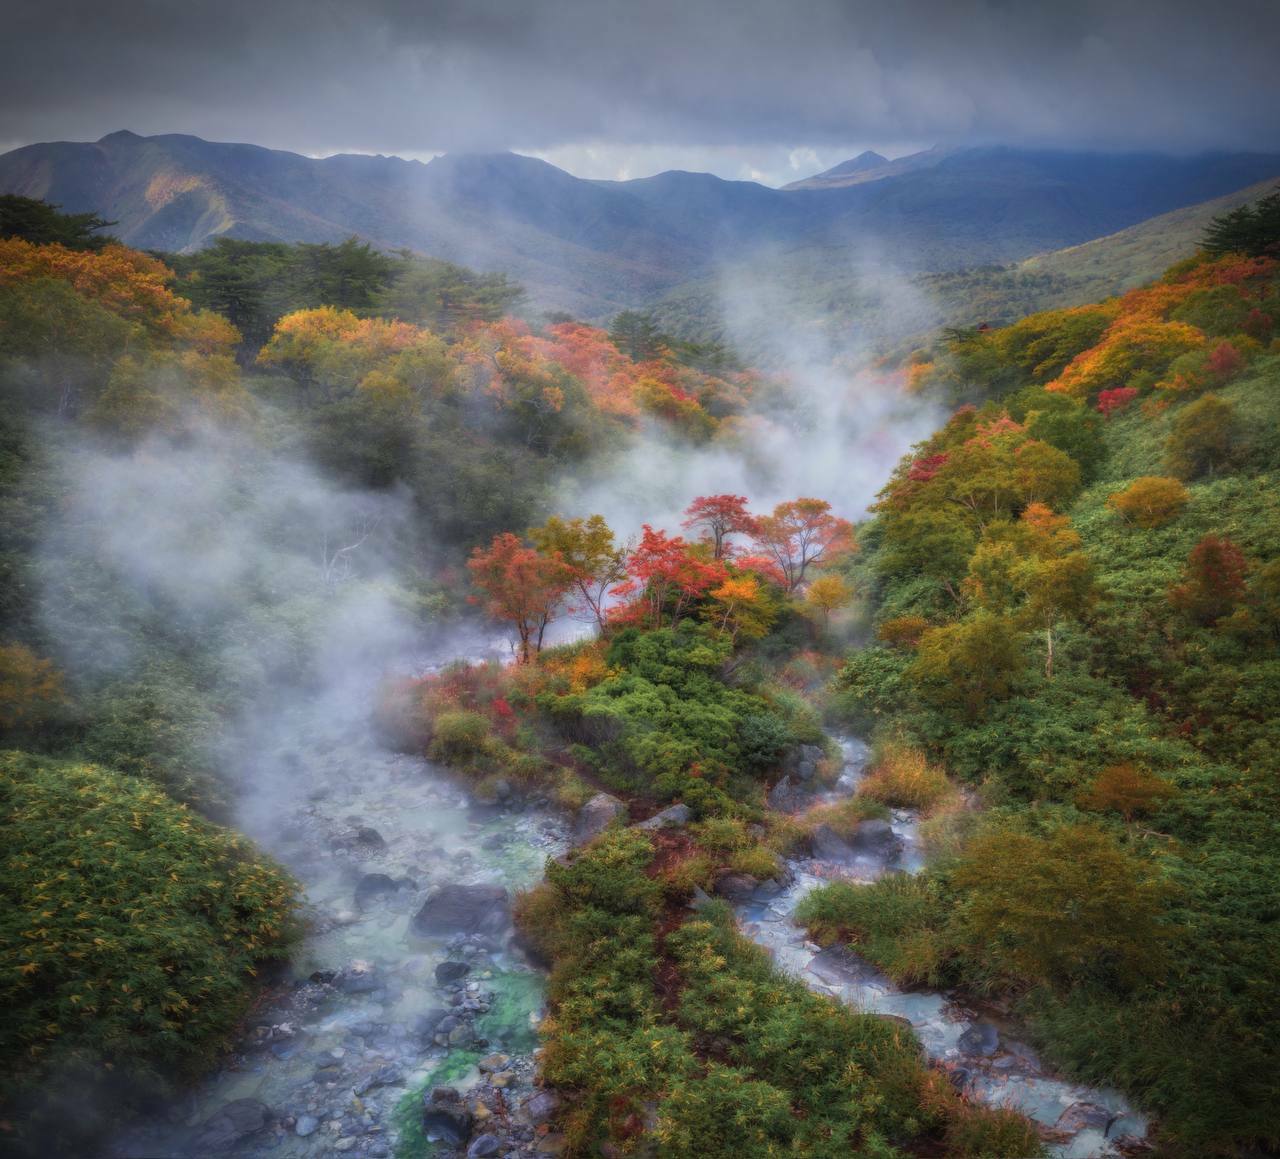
{"type": "Point", "coordinates": [541, 1106]}
{"type": "Point", "coordinates": [827, 845]}
{"type": "Point", "coordinates": [358, 978]}
{"type": "Point", "coordinates": [448, 972]}
{"type": "Point", "coordinates": [788, 796]}
{"type": "Point", "coordinates": [981, 1040]}
{"type": "Point", "coordinates": [807, 761]}
{"type": "Point", "coordinates": [877, 837]}
{"type": "Point", "coordinates": [1085, 1117]}
{"type": "Point", "coordinates": [482, 1146]}
{"type": "Point", "coordinates": [596, 816]}
{"type": "Point", "coordinates": [373, 886]}
{"type": "Point", "coordinates": [737, 887]}
{"type": "Point", "coordinates": [467, 909]}
{"type": "Point", "coordinates": [672, 817]}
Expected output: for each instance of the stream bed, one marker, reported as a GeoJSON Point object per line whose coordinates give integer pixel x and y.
{"type": "Point", "coordinates": [408, 974]}
{"type": "Point", "coordinates": [982, 1054]}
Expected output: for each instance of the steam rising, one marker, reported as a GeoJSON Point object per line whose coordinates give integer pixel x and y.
{"type": "Point", "coordinates": [279, 582]}
{"type": "Point", "coordinates": [833, 433]}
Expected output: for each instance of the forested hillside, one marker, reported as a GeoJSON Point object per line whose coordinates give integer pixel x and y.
{"type": "Point", "coordinates": [237, 492]}
{"type": "Point", "coordinates": [1073, 586]}
{"type": "Point", "coordinates": [189, 515]}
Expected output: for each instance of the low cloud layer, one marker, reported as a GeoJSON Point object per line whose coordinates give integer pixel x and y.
{"type": "Point", "coordinates": [631, 81]}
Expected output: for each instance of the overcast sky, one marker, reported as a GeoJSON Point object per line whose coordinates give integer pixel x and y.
{"type": "Point", "coordinates": [763, 89]}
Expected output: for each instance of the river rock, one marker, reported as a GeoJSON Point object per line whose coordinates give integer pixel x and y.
{"type": "Point", "coordinates": [787, 796]}
{"type": "Point", "coordinates": [807, 761]}
{"type": "Point", "coordinates": [670, 818]}
{"type": "Point", "coordinates": [1084, 1117]}
{"type": "Point", "coordinates": [358, 978]}
{"type": "Point", "coordinates": [370, 838]}
{"type": "Point", "coordinates": [596, 816]}
{"type": "Point", "coordinates": [384, 1076]}
{"type": "Point", "coordinates": [736, 887]}
{"type": "Point", "coordinates": [448, 972]}
{"type": "Point", "coordinates": [541, 1106]}
{"type": "Point", "coordinates": [444, 1117]}
{"type": "Point", "coordinates": [373, 886]}
{"type": "Point", "coordinates": [981, 1040]}
{"type": "Point", "coordinates": [827, 845]}
{"type": "Point", "coordinates": [838, 965]}
{"type": "Point", "coordinates": [482, 1146]}
{"type": "Point", "coordinates": [468, 909]}
{"type": "Point", "coordinates": [876, 836]}
{"type": "Point", "coordinates": [234, 1122]}
{"type": "Point", "coordinates": [306, 1125]}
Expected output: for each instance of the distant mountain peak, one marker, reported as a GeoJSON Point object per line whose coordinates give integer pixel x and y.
{"type": "Point", "coordinates": [867, 159]}
{"type": "Point", "coordinates": [870, 166]}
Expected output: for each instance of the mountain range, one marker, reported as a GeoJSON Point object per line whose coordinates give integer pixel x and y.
{"type": "Point", "coordinates": [591, 247]}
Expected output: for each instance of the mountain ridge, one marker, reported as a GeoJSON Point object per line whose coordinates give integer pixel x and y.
{"type": "Point", "coordinates": [592, 247]}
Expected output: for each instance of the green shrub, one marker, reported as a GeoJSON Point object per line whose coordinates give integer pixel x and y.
{"type": "Point", "coordinates": [898, 922]}
{"type": "Point", "coordinates": [903, 776]}
{"type": "Point", "coordinates": [131, 928]}
{"type": "Point", "coordinates": [458, 738]}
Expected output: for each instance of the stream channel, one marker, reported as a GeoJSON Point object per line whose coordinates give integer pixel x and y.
{"type": "Point", "coordinates": [409, 973]}
{"type": "Point", "coordinates": [981, 1051]}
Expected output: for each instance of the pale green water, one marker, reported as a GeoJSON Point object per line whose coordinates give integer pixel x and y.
{"type": "Point", "coordinates": [312, 1049]}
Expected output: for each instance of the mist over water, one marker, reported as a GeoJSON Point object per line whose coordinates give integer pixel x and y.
{"type": "Point", "coordinates": [286, 595]}
{"type": "Point", "coordinates": [220, 568]}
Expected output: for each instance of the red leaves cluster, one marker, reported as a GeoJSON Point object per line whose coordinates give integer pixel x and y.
{"type": "Point", "coordinates": [1117, 399]}
{"type": "Point", "coordinates": [718, 517]}
{"type": "Point", "coordinates": [1213, 582]}
{"type": "Point", "coordinates": [664, 576]}
{"type": "Point", "coordinates": [522, 586]}
{"type": "Point", "coordinates": [1224, 362]}
{"type": "Point", "coordinates": [922, 470]}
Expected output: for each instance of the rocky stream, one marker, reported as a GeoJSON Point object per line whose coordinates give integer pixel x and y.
{"type": "Point", "coordinates": [405, 1023]}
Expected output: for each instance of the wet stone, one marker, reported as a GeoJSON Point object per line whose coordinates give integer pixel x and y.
{"type": "Point", "coordinates": [670, 818]}
{"type": "Point", "coordinates": [827, 845]}
{"type": "Point", "coordinates": [1085, 1116]}
{"type": "Point", "coordinates": [447, 972]}
{"type": "Point", "coordinates": [541, 1106]}
{"type": "Point", "coordinates": [876, 836]}
{"type": "Point", "coordinates": [736, 886]}
{"type": "Point", "coordinates": [484, 1146]}
{"type": "Point", "coordinates": [981, 1039]}
{"type": "Point", "coordinates": [306, 1125]}
{"type": "Point", "coordinates": [463, 908]}
{"type": "Point", "coordinates": [838, 965]}
{"type": "Point", "coordinates": [787, 796]}
{"type": "Point", "coordinates": [386, 1076]}
{"type": "Point", "coordinates": [373, 886]}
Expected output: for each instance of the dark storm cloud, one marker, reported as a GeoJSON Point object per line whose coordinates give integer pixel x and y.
{"type": "Point", "coordinates": [415, 76]}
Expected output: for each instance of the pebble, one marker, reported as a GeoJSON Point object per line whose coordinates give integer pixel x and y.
{"type": "Point", "coordinates": [306, 1125]}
